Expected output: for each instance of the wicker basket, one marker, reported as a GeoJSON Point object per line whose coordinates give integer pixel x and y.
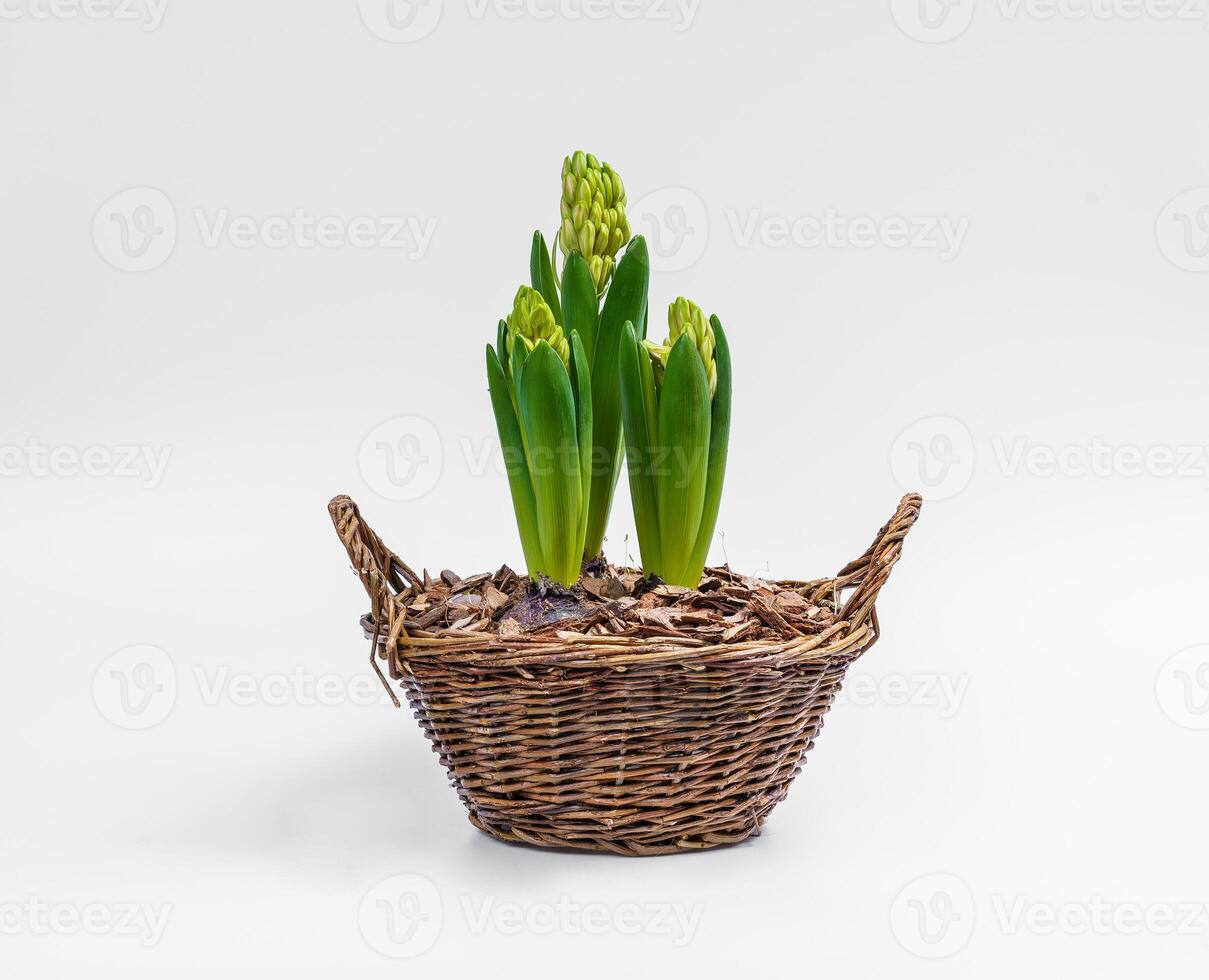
{"type": "Point", "coordinates": [601, 743]}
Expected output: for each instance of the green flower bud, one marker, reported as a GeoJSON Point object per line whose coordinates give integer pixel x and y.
{"type": "Point", "coordinates": [532, 320]}
{"type": "Point", "coordinates": [685, 316]}
{"type": "Point", "coordinates": [594, 221]}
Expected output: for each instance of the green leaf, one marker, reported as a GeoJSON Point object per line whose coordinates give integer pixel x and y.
{"type": "Point", "coordinates": [719, 441]}
{"type": "Point", "coordinates": [541, 271]}
{"type": "Point", "coordinates": [626, 300]}
{"type": "Point", "coordinates": [637, 394]}
{"type": "Point", "coordinates": [581, 387]}
{"type": "Point", "coordinates": [513, 448]}
{"type": "Point", "coordinates": [650, 397]}
{"type": "Point", "coordinates": [680, 474]}
{"type": "Point", "coordinates": [501, 347]}
{"type": "Point", "coordinates": [547, 417]}
{"type": "Point", "coordinates": [581, 311]}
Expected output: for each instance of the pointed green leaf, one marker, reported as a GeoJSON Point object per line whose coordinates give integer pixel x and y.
{"type": "Point", "coordinates": [626, 300]}
{"type": "Point", "coordinates": [501, 347]}
{"type": "Point", "coordinates": [636, 395]}
{"type": "Point", "coordinates": [650, 398]}
{"type": "Point", "coordinates": [719, 440]}
{"type": "Point", "coordinates": [541, 271]}
{"type": "Point", "coordinates": [580, 306]}
{"type": "Point", "coordinates": [513, 449]}
{"type": "Point", "coordinates": [548, 421]}
{"type": "Point", "coordinates": [680, 475]}
{"type": "Point", "coordinates": [581, 387]}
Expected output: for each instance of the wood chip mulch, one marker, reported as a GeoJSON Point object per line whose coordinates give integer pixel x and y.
{"type": "Point", "coordinates": [612, 601]}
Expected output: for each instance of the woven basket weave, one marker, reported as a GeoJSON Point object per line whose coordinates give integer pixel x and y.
{"type": "Point", "coordinates": [604, 743]}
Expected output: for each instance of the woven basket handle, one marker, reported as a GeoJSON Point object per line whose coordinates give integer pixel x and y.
{"type": "Point", "coordinates": [868, 573]}
{"type": "Point", "coordinates": [383, 573]}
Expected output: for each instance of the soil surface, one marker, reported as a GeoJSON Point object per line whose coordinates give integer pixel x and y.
{"type": "Point", "coordinates": [725, 608]}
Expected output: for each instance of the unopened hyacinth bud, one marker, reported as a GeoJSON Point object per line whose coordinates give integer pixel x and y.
{"type": "Point", "coordinates": [594, 221]}
{"type": "Point", "coordinates": [685, 316]}
{"type": "Point", "coordinates": [532, 320]}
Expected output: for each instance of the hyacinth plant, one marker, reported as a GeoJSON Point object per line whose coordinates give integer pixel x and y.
{"type": "Point", "coordinates": [541, 393]}
{"type": "Point", "coordinates": [595, 295]}
{"type": "Point", "coordinates": [578, 317]}
{"type": "Point", "coordinates": [571, 360]}
{"type": "Point", "coordinates": [676, 400]}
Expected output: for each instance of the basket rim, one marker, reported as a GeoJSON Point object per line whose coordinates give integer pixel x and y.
{"type": "Point", "coordinates": [386, 578]}
{"type": "Point", "coordinates": [568, 649]}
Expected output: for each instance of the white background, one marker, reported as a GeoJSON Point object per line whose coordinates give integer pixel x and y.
{"type": "Point", "coordinates": [1014, 782]}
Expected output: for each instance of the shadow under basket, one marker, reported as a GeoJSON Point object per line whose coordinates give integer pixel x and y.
{"type": "Point", "coordinates": [635, 746]}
